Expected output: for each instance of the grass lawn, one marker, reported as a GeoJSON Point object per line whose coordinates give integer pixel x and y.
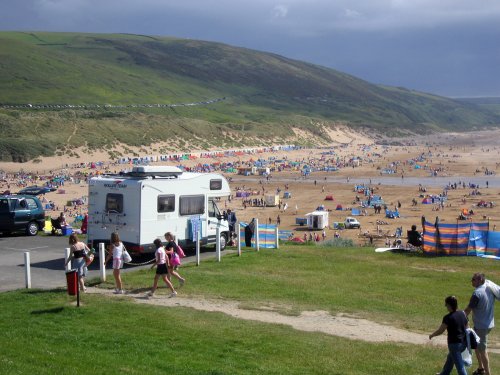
{"type": "Point", "coordinates": [43, 332]}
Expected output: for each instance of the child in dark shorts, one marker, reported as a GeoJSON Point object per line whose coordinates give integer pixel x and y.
{"type": "Point", "coordinates": [161, 263]}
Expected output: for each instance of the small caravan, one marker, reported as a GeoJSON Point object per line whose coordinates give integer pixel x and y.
{"type": "Point", "coordinates": [317, 220]}
{"type": "Point", "coordinates": [272, 200]}
{"type": "Point", "coordinates": [145, 203]}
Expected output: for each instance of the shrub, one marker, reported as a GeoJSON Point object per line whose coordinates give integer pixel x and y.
{"type": "Point", "coordinates": [336, 242]}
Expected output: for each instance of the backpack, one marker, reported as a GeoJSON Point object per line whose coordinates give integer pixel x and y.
{"type": "Point", "coordinates": [179, 251]}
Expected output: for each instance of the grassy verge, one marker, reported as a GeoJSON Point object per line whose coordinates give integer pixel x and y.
{"type": "Point", "coordinates": [403, 289]}
{"type": "Point", "coordinates": [43, 331]}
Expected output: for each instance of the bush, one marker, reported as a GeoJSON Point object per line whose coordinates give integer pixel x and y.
{"type": "Point", "coordinates": [336, 242]}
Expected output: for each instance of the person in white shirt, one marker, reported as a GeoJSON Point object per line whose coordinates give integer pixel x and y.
{"type": "Point", "coordinates": [115, 251]}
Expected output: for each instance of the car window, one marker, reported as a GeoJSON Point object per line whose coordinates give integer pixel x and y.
{"type": "Point", "coordinates": [31, 204]}
{"type": "Point", "coordinates": [4, 205]}
{"type": "Point", "coordinates": [21, 204]}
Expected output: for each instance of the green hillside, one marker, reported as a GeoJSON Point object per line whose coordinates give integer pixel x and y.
{"type": "Point", "coordinates": [265, 95]}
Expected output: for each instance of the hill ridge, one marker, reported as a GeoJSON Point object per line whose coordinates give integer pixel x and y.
{"type": "Point", "coordinates": [266, 95]}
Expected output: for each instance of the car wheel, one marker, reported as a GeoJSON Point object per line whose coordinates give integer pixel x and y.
{"type": "Point", "coordinates": [223, 241]}
{"type": "Point", "coordinates": [32, 229]}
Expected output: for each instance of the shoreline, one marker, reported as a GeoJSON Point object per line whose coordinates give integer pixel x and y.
{"type": "Point", "coordinates": [456, 158]}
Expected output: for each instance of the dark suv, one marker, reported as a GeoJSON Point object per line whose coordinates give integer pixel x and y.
{"type": "Point", "coordinates": [21, 213]}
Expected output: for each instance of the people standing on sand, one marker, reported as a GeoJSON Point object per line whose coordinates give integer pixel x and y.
{"type": "Point", "coordinates": [115, 252]}
{"type": "Point", "coordinates": [85, 222]}
{"type": "Point", "coordinates": [482, 306]}
{"type": "Point", "coordinates": [78, 256]}
{"type": "Point", "coordinates": [62, 220]}
{"type": "Point", "coordinates": [161, 263]}
{"type": "Point", "coordinates": [173, 258]}
{"type": "Point", "coordinates": [455, 322]}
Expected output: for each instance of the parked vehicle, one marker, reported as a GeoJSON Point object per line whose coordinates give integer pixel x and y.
{"type": "Point", "coordinates": [36, 190]}
{"type": "Point", "coordinates": [148, 201]}
{"type": "Point", "coordinates": [21, 213]}
{"type": "Point", "coordinates": [351, 223]}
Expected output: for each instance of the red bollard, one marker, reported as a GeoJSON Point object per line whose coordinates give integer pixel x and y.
{"type": "Point", "coordinates": [72, 281]}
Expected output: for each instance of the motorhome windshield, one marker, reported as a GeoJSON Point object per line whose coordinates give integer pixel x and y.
{"type": "Point", "coordinates": [213, 210]}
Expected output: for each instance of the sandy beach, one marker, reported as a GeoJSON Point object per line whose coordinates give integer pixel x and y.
{"type": "Point", "coordinates": [390, 171]}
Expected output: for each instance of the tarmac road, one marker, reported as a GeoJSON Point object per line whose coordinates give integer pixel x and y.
{"type": "Point", "coordinates": [47, 262]}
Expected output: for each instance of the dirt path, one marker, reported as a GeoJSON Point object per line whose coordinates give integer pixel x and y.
{"type": "Point", "coordinates": [311, 321]}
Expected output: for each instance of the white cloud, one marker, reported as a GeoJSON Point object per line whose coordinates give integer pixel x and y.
{"type": "Point", "coordinates": [349, 13]}
{"type": "Point", "coordinates": [280, 11]}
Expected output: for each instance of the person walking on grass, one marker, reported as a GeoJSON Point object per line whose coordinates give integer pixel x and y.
{"type": "Point", "coordinates": [161, 269]}
{"type": "Point", "coordinates": [455, 322]}
{"type": "Point", "coordinates": [173, 257]}
{"type": "Point", "coordinates": [115, 252]}
{"type": "Point", "coordinates": [482, 305]}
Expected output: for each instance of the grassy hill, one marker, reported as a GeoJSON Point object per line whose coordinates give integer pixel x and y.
{"type": "Point", "coordinates": [266, 95]}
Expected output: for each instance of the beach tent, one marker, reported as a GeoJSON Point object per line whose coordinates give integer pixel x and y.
{"type": "Point", "coordinates": [317, 219]}
{"type": "Point", "coordinates": [272, 200]}
{"type": "Point", "coordinates": [287, 195]}
{"type": "Point", "coordinates": [329, 198]}
{"type": "Point", "coordinates": [426, 200]}
{"type": "Point", "coordinates": [355, 211]}
{"type": "Point", "coordinates": [339, 207]}
{"type": "Point", "coordinates": [391, 214]}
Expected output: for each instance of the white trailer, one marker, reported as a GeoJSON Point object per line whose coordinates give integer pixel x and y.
{"type": "Point", "coordinates": [317, 220]}
{"type": "Point", "coordinates": [145, 203]}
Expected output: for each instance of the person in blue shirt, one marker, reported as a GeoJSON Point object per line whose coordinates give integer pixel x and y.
{"type": "Point", "coordinates": [482, 306]}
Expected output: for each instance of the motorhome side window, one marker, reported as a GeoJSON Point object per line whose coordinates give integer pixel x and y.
{"type": "Point", "coordinates": [216, 184]}
{"type": "Point", "coordinates": [114, 203]}
{"type": "Point", "coordinates": [191, 204]}
{"type": "Point", "coordinates": [166, 203]}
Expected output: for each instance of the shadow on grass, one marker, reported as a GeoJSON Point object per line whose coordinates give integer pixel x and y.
{"type": "Point", "coordinates": [46, 291]}
{"type": "Point", "coordinates": [55, 310]}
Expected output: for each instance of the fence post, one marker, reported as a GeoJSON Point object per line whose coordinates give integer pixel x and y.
{"type": "Point", "coordinates": [217, 243]}
{"type": "Point", "coordinates": [198, 248]}
{"type": "Point", "coordinates": [27, 269]}
{"type": "Point", "coordinates": [238, 227]}
{"type": "Point", "coordinates": [102, 258]}
{"type": "Point", "coordinates": [66, 256]}
{"type": "Point", "coordinates": [257, 240]}
{"type": "Point", "coordinates": [277, 233]}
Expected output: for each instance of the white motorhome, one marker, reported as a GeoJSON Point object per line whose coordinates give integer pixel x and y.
{"type": "Point", "coordinates": [145, 203]}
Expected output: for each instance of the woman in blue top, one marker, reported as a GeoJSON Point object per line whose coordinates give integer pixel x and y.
{"type": "Point", "coordinates": [455, 322]}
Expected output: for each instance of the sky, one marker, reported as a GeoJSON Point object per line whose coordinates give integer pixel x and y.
{"type": "Point", "coordinates": [445, 47]}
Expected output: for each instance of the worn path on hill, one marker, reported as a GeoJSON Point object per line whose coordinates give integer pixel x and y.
{"type": "Point", "coordinates": [340, 325]}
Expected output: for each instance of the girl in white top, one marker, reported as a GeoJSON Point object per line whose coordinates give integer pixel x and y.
{"type": "Point", "coordinates": [115, 250]}
{"type": "Point", "coordinates": [161, 269]}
